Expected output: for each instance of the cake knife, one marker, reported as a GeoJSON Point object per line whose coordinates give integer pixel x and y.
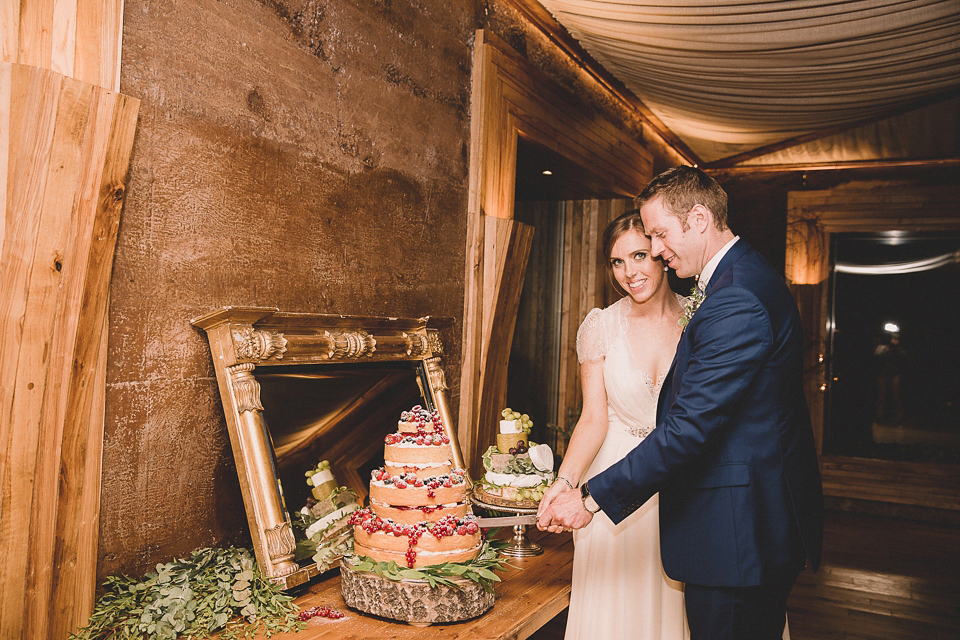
{"type": "Point", "coordinates": [508, 521]}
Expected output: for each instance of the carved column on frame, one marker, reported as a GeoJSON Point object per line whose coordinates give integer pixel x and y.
{"type": "Point", "coordinates": [270, 515]}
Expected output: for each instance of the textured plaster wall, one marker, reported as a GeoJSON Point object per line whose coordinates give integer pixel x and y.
{"type": "Point", "coordinates": [305, 155]}
{"type": "Point", "coordinates": [309, 155]}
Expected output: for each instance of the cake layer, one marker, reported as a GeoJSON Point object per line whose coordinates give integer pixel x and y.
{"type": "Point", "coordinates": [413, 515]}
{"type": "Point", "coordinates": [422, 559]}
{"type": "Point", "coordinates": [425, 543]}
{"type": "Point", "coordinates": [403, 453]}
{"type": "Point", "coordinates": [422, 469]}
{"type": "Point", "coordinates": [416, 496]}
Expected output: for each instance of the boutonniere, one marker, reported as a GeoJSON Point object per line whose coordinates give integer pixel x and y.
{"type": "Point", "coordinates": [690, 305]}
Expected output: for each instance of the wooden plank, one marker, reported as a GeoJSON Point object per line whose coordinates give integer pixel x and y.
{"type": "Point", "coordinates": [36, 42]}
{"type": "Point", "coordinates": [9, 30]}
{"type": "Point", "coordinates": [64, 37]}
{"type": "Point", "coordinates": [41, 364]}
{"type": "Point", "coordinates": [69, 149]}
{"type": "Point", "coordinates": [78, 506]}
{"type": "Point", "coordinates": [34, 97]}
{"type": "Point", "coordinates": [512, 251]}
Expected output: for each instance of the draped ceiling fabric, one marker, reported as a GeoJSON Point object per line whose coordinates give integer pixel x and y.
{"type": "Point", "coordinates": [869, 79]}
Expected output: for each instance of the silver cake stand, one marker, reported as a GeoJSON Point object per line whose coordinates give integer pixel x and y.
{"type": "Point", "coordinates": [519, 546]}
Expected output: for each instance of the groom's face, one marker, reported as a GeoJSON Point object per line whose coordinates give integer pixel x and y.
{"type": "Point", "coordinates": [670, 240]}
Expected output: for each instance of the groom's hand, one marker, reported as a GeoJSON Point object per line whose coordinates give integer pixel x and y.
{"type": "Point", "coordinates": [565, 512]}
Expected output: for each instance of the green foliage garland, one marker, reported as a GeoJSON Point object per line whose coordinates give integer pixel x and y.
{"type": "Point", "coordinates": [211, 590]}
{"type": "Point", "coordinates": [480, 570]}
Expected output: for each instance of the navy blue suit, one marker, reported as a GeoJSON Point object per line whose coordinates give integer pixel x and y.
{"type": "Point", "coordinates": [733, 455]}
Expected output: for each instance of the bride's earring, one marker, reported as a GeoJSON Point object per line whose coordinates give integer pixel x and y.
{"type": "Point", "coordinates": [665, 268]}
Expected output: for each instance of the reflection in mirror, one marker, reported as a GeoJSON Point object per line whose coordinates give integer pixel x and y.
{"type": "Point", "coordinates": [338, 413]}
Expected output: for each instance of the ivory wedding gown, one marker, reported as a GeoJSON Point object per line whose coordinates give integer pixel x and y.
{"type": "Point", "coordinates": [619, 588]}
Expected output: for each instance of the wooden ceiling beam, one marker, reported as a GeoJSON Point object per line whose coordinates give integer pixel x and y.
{"type": "Point", "coordinates": [540, 18]}
{"type": "Point", "coordinates": [734, 160]}
{"type": "Point", "coordinates": [835, 166]}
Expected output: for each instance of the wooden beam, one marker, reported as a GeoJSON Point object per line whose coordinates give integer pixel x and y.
{"type": "Point", "coordinates": [540, 18]}
{"type": "Point", "coordinates": [732, 161]}
{"type": "Point", "coordinates": [835, 166]}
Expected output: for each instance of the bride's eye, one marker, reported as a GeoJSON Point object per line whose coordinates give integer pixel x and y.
{"type": "Point", "coordinates": [616, 262]}
{"type": "Point", "coordinates": [639, 255]}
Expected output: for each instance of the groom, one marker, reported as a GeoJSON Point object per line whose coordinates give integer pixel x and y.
{"type": "Point", "coordinates": [733, 456]}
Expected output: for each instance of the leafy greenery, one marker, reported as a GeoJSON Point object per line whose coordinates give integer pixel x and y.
{"type": "Point", "coordinates": [211, 590]}
{"type": "Point", "coordinates": [480, 570]}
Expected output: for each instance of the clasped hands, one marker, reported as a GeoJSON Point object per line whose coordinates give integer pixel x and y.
{"type": "Point", "coordinates": [561, 509]}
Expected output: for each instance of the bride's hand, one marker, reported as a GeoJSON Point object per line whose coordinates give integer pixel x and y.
{"type": "Point", "coordinates": [551, 494]}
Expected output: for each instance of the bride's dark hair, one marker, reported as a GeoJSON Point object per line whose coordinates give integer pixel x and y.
{"type": "Point", "coordinates": [627, 221]}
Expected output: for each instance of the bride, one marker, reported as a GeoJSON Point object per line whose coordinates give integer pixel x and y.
{"type": "Point", "coordinates": [625, 351]}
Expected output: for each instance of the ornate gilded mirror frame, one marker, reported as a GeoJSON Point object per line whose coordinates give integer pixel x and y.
{"type": "Point", "coordinates": [244, 340]}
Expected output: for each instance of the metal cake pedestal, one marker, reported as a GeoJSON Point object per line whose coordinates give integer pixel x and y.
{"type": "Point", "coordinates": [519, 546]}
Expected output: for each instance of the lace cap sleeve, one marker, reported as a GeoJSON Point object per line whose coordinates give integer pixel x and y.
{"type": "Point", "coordinates": [591, 337]}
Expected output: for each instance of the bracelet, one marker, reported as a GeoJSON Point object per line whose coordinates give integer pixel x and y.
{"type": "Point", "coordinates": [567, 481]}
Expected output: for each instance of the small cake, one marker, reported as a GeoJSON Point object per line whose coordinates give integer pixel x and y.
{"type": "Point", "coordinates": [517, 471]}
{"type": "Point", "coordinates": [326, 516]}
{"type": "Point", "coordinates": [418, 513]}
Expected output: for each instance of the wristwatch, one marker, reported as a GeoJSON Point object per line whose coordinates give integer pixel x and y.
{"type": "Point", "coordinates": [588, 502]}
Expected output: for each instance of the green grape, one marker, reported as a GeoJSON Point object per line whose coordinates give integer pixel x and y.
{"type": "Point", "coordinates": [506, 412]}
{"type": "Point", "coordinates": [525, 417]}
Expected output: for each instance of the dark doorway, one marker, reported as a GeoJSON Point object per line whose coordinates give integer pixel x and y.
{"type": "Point", "coordinates": [894, 366]}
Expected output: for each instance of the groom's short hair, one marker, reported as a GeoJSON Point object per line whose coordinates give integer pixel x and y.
{"type": "Point", "coordinates": [683, 187]}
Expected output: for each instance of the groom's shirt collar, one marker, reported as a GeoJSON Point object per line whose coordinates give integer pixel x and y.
{"type": "Point", "coordinates": [711, 265]}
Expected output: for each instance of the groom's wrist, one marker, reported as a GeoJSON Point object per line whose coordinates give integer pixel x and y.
{"type": "Point", "coordinates": [588, 502]}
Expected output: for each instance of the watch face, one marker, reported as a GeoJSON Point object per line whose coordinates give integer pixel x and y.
{"type": "Point", "coordinates": [584, 491]}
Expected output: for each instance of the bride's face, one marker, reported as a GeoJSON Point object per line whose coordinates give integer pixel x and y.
{"type": "Point", "coordinates": [635, 269]}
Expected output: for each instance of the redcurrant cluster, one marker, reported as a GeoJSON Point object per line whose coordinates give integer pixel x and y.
{"type": "Point", "coordinates": [449, 525]}
{"type": "Point", "coordinates": [435, 439]}
{"type": "Point", "coordinates": [319, 612]}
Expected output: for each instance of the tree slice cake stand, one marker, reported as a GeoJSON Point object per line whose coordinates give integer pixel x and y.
{"type": "Point", "coordinates": [413, 601]}
{"type": "Point", "coordinates": [519, 546]}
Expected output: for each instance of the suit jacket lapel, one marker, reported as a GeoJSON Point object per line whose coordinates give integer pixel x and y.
{"type": "Point", "coordinates": [739, 248]}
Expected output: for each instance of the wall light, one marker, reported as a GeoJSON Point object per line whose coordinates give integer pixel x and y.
{"type": "Point", "coordinates": [547, 172]}
{"type": "Point", "coordinates": [891, 327]}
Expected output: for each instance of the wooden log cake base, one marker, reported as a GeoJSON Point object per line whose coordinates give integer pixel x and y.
{"type": "Point", "coordinates": [413, 601]}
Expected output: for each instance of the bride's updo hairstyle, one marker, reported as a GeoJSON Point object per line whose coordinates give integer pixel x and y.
{"type": "Point", "coordinates": [629, 221]}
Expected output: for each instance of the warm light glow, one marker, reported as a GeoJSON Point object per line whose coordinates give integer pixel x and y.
{"type": "Point", "coordinates": [891, 327]}
{"type": "Point", "coordinates": [547, 172]}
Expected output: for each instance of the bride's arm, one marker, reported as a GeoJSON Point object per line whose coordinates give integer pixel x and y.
{"type": "Point", "coordinates": [587, 436]}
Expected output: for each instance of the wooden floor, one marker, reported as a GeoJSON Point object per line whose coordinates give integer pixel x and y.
{"type": "Point", "coordinates": [882, 578]}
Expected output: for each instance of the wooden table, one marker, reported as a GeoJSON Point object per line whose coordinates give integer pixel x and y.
{"type": "Point", "coordinates": [531, 594]}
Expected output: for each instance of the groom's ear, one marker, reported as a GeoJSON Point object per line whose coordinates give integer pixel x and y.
{"type": "Point", "coordinates": [700, 218]}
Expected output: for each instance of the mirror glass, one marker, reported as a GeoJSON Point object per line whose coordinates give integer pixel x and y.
{"type": "Point", "coordinates": [339, 413]}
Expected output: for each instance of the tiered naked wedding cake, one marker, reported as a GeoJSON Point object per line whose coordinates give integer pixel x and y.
{"type": "Point", "coordinates": [418, 524]}
{"type": "Point", "coordinates": [418, 513]}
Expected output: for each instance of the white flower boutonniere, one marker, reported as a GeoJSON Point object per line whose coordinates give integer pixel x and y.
{"type": "Point", "coordinates": [690, 305]}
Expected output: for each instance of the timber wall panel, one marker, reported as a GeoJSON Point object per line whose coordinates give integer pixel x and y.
{"type": "Point", "coordinates": [76, 38]}
{"type": "Point", "coordinates": [68, 151]}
